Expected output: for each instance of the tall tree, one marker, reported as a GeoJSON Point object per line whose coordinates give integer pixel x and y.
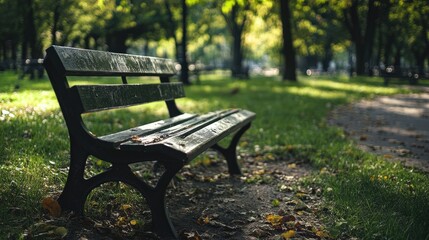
{"type": "Point", "coordinates": [360, 18]}
{"type": "Point", "coordinates": [172, 31]}
{"type": "Point", "coordinates": [184, 73]}
{"type": "Point", "coordinates": [288, 49]}
{"type": "Point", "coordinates": [236, 15]}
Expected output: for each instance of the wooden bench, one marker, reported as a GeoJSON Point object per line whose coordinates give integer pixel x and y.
{"type": "Point", "coordinates": [171, 142]}
{"type": "Point", "coordinates": [402, 74]}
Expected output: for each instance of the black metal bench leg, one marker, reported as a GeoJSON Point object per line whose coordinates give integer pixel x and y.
{"type": "Point", "coordinates": [155, 196]}
{"type": "Point", "coordinates": [161, 222]}
{"type": "Point", "coordinates": [73, 198]}
{"type": "Point", "coordinates": [230, 153]}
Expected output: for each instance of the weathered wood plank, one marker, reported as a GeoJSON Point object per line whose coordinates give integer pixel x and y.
{"type": "Point", "coordinates": [86, 62]}
{"type": "Point", "coordinates": [191, 141]}
{"type": "Point", "coordinates": [117, 138]}
{"type": "Point", "coordinates": [101, 97]}
{"type": "Point", "coordinates": [180, 129]}
{"type": "Point", "coordinates": [196, 142]}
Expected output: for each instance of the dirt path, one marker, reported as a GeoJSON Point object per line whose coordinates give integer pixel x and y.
{"type": "Point", "coordinates": [396, 127]}
{"type": "Point", "coordinates": [220, 207]}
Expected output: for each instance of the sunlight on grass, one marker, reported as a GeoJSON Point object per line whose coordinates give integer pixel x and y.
{"type": "Point", "coordinates": [28, 102]}
{"type": "Point", "coordinates": [354, 87]}
{"type": "Point", "coordinates": [316, 93]}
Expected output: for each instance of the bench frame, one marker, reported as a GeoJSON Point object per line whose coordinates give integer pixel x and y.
{"type": "Point", "coordinates": [402, 74]}
{"type": "Point", "coordinates": [61, 62]}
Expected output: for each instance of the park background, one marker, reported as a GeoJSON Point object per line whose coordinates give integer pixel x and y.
{"type": "Point", "coordinates": [237, 53]}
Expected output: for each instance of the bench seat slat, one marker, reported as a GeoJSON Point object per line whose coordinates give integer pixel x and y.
{"type": "Point", "coordinates": [189, 142]}
{"type": "Point", "coordinates": [169, 127]}
{"type": "Point", "coordinates": [181, 129]}
{"type": "Point", "coordinates": [117, 138]}
{"type": "Point", "coordinates": [102, 97]}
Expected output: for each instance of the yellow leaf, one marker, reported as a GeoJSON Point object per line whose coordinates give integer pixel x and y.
{"type": "Point", "coordinates": [133, 222]}
{"type": "Point", "coordinates": [301, 195]}
{"type": "Point", "coordinates": [322, 234]}
{"type": "Point", "coordinates": [288, 234]}
{"type": "Point", "coordinates": [52, 206]}
{"type": "Point", "coordinates": [121, 221]}
{"type": "Point", "coordinates": [125, 207]}
{"type": "Point", "coordinates": [291, 165]}
{"type": "Point", "coordinates": [275, 220]}
{"type": "Point", "coordinates": [203, 220]}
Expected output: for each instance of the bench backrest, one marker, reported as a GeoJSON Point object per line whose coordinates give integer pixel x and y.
{"type": "Point", "coordinates": [61, 62]}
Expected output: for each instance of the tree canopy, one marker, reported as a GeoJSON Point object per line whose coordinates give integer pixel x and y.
{"type": "Point", "coordinates": [232, 34]}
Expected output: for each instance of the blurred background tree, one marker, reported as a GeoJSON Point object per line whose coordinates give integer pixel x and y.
{"type": "Point", "coordinates": [253, 36]}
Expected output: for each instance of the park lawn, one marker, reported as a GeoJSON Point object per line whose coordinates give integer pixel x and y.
{"type": "Point", "coordinates": [365, 196]}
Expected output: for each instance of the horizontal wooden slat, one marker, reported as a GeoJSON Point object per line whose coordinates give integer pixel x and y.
{"type": "Point", "coordinates": [86, 62]}
{"type": "Point", "coordinates": [191, 125]}
{"type": "Point", "coordinates": [117, 138]}
{"type": "Point", "coordinates": [100, 97]}
{"type": "Point", "coordinates": [193, 144]}
{"type": "Point", "coordinates": [189, 142]}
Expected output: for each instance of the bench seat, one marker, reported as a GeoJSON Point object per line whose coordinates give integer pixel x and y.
{"type": "Point", "coordinates": [182, 137]}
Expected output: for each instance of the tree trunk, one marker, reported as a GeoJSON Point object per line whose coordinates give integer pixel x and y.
{"type": "Point", "coordinates": [237, 54]}
{"type": "Point", "coordinates": [289, 72]}
{"type": "Point", "coordinates": [55, 20]}
{"type": "Point", "coordinates": [184, 73]}
{"type": "Point", "coordinates": [371, 19]}
{"type": "Point", "coordinates": [171, 29]}
{"type": "Point", "coordinates": [397, 60]}
{"type": "Point", "coordinates": [327, 57]}
{"type": "Point", "coordinates": [379, 45]}
{"type": "Point", "coordinates": [363, 42]}
{"type": "Point", "coordinates": [14, 55]}
{"type": "Point", "coordinates": [3, 54]}
{"type": "Point", "coordinates": [236, 28]}
{"type": "Point", "coordinates": [116, 42]}
{"type": "Point", "coordinates": [352, 22]}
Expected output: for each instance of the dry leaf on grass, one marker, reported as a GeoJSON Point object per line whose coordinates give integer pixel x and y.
{"type": "Point", "coordinates": [52, 206]}
{"type": "Point", "coordinates": [288, 234]}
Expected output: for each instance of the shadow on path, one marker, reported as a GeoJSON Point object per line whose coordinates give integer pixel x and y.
{"type": "Point", "coordinates": [396, 127]}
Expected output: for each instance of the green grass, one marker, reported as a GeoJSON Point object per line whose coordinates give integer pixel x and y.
{"type": "Point", "coordinates": [367, 197]}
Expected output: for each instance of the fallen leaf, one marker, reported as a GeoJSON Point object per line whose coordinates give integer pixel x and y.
{"type": "Point", "coordinates": [275, 203]}
{"type": "Point", "coordinates": [194, 235]}
{"type": "Point", "coordinates": [121, 221]}
{"type": "Point", "coordinates": [133, 222]}
{"type": "Point", "coordinates": [125, 207]}
{"type": "Point", "coordinates": [136, 139]}
{"type": "Point", "coordinates": [322, 234]}
{"type": "Point", "coordinates": [291, 165]}
{"type": "Point", "coordinates": [203, 220]}
{"type": "Point", "coordinates": [301, 195]}
{"type": "Point", "coordinates": [60, 232]}
{"type": "Point", "coordinates": [288, 234]}
{"type": "Point", "coordinates": [52, 206]}
{"type": "Point", "coordinates": [275, 220]}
